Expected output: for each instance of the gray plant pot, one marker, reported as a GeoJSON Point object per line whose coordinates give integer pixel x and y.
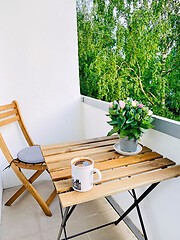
{"type": "Point", "coordinates": [128, 145]}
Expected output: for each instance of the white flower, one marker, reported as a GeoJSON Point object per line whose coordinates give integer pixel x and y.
{"type": "Point", "coordinates": [150, 113]}
{"type": "Point", "coordinates": [134, 104]}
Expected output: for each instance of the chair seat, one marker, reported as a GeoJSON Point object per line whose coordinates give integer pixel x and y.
{"type": "Point", "coordinates": [31, 155]}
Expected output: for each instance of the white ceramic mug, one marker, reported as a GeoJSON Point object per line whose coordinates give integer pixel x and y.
{"type": "Point", "coordinates": [82, 174]}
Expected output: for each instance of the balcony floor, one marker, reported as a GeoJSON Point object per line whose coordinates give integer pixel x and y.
{"type": "Point", "coordinates": [24, 220]}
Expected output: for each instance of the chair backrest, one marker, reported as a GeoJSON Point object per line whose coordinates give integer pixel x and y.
{"type": "Point", "coordinates": [10, 113]}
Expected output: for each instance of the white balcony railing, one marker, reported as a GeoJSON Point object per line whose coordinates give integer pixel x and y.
{"type": "Point", "coordinates": [161, 124]}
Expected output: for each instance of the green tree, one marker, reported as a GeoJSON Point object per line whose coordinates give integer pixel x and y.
{"type": "Point", "coordinates": [130, 49]}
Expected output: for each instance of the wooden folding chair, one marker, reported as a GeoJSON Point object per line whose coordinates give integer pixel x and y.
{"type": "Point", "coordinates": [29, 158]}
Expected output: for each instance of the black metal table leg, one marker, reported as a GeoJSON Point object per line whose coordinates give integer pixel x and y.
{"type": "Point", "coordinates": [64, 218]}
{"type": "Point", "coordinates": [140, 216]}
{"type": "Point", "coordinates": [65, 234]}
{"type": "Point", "coordinates": [137, 202]}
{"type": "Point", "coordinates": [90, 230]}
{"type": "Point", "coordinates": [68, 212]}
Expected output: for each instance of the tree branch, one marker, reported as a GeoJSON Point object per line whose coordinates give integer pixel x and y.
{"type": "Point", "coordinates": [152, 95]}
{"type": "Point", "coordinates": [139, 78]}
{"type": "Point", "coordinates": [144, 92]}
{"type": "Point", "coordinates": [170, 70]}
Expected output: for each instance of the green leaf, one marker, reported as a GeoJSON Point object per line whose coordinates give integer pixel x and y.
{"type": "Point", "coordinates": [131, 136]}
{"type": "Point", "coordinates": [136, 133]}
{"type": "Point", "coordinates": [149, 119]}
{"type": "Point", "coordinates": [115, 128]}
{"type": "Point", "coordinates": [112, 112]}
{"type": "Point", "coordinates": [113, 122]}
{"type": "Point", "coordinates": [130, 120]}
{"type": "Point", "coordinates": [111, 132]}
{"type": "Point", "coordinates": [123, 133]}
{"type": "Point", "coordinates": [139, 111]}
{"type": "Point", "coordinates": [127, 107]}
{"type": "Point", "coordinates": [126, 126]}
{"type": "Point", "coordinates": [137, 117]}
{"type": "Point", "coordinates": [133, 124]}
{"type": "Point", "coordinates": [146, 125]}
{"type": "Point", "coordinates": [121, 121]}
{"type": "Point", "coordinates": [123, 112]}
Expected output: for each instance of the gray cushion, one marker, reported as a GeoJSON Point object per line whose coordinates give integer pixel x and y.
{"type": "Point", "coordinates": [31, 155]}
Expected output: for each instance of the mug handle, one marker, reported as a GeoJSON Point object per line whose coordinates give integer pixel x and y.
{"type": "Point", "coordinates": [99, 174]}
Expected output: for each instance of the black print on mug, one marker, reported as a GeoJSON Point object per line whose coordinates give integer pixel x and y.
{"type": "Point", "coordinates": [76, 184]}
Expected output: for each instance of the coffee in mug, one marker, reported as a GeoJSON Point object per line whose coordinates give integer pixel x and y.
{"type": "Point", "coordinates": [82, 174]}
{"type": "Point", "coordinates": [82, 162]}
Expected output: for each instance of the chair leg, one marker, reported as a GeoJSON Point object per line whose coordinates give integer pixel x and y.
{"type": "Point", "coordinates": [22, 189]}
{"type": "Point", "coordinates": [51, 197]}
{"type": "Point", "coordinates": [38, 198]}
{"type": "Point", "coordinates": [27, 184]}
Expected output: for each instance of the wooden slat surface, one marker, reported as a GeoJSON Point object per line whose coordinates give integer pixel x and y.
{"type": "Point", "coordinates": [59, 157]}
{"type": "Point", "coordinates": [79, 142]}
{"type": "Point", "coordinates": [97, 158]}
{"type": "Point", "coordinates": [119, 172]}
{"type": "Point", "coordinates": [66, 173]}
{"type": "Point", "coordinates": [65, 185]}
{"type": "Point", "coordinates": [80, 147]}
{"type": "Point", "coordinates": [110, 188]}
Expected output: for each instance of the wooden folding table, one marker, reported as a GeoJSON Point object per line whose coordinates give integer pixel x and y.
{"type": "Point", "coordinates": [119, 173]}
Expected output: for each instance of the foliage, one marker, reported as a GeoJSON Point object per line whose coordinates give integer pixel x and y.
{"type": "Point", "coordinates": [129, 118]}
{"type": "Point", "coordinates": [130, 48]}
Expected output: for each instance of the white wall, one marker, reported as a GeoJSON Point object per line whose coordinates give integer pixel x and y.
{"type": "Point", "coordinates": [161, 209]}
{"type": "Point", "coordinates": [39, 68]}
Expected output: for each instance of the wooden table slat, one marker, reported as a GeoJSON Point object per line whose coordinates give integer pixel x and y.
{"type": "Point", "coordinates": [66, 185]}
{"type": "Point", "coordinates": [97, 158]}
{"type": "Point", "coordinates": [110, 188]}
{"type": "Point", "coordinates": [50, 152]}
{"type": "Point", "coordinates": [78, 142]}
{"type": "Point", "coordinates": [66, 173]}
{"type": "Point", "coordinates": [83, 153]}
{"type": "Point", "coordinates": [54, 166]}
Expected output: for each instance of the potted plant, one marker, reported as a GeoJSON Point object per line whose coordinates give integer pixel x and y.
{"type": "Point", "coordinates": [129, 119]}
